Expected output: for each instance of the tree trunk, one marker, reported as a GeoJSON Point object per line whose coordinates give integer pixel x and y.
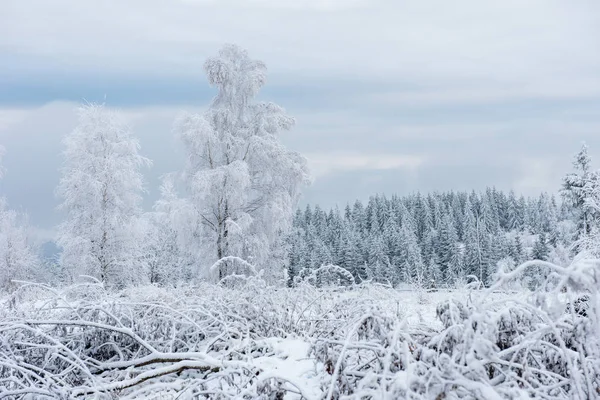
{"type": "Point", "coordinates": [222, 241]}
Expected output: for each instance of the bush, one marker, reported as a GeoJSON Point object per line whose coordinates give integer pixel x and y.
{"type": "Point", "coordinates": [248, 340]}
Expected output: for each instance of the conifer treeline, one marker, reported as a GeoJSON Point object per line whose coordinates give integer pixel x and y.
{"type": "Point", "coordinates": [438, 238]}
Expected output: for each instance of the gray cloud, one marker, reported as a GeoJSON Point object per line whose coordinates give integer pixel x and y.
{"type": "Point", "coordinates": [478, 49]}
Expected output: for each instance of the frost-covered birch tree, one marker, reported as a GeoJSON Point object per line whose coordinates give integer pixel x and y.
{"type": "Point", "coordinates": [101, 189]}
{"type": "Point", "coordinates": [243, 183]}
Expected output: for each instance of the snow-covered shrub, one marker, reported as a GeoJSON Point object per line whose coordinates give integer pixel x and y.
{"type": "Point", "coordinates": [326, 276]}
{"type": "Point", "coordinates": [233, 271]}
{"type": "Point", "coordinates": [247, 341]}
{"type": "Point", "coordinates": [487, 348]}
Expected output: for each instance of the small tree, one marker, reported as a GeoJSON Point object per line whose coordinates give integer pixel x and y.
{"type": "Point", "coordinates": [541, 250]}
{"type": "Point", "coordinates": [581, 191]}
{"type": "Point", "coordinates": [18, 258]}
{"type": "Point", "coordinates": [243, 183]}
{"type": "Point", "coordinates": [101, 191]}
{"type": "Point", "coordinates": [171, 235]}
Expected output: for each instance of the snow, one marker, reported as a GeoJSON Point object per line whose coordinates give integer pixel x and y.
{"type": "Point", "coordinates": [291, 362]}
{"type": "Point", "coordinates": [287, 354]}
{"type": "Point", "coordinates": [259, 341]}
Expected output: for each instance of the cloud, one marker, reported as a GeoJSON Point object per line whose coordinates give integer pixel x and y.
{"type": "Point", "coordinates": [322, 164]}
{"type": "Point", "coordinates": [389, 96]}
{"type": "Point", "coordinates": [438, 51]}
{"type": "Point", "coordinates": [537, 174]}
{"type": "Point", "coordinates": [471, 94]}
{"type": "Point", "coordinates": [10, 117]}
{"type": "Point", "coordinates": [320, 5]}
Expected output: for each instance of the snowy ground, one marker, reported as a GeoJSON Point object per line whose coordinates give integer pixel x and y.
{"type": "Point", "coordinates": [248, 342]}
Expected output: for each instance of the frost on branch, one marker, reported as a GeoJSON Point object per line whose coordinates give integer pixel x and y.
{"type": "Point", "coordinates": [326, 276]}
{"type": "Point", "coordinates": [543, 347]}
{"type": "Point", "coordinates": [231, 269]}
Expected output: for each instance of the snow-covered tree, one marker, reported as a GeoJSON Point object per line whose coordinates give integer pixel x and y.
{"type": "Point", "coordinates": [18, 256]}
{"type": "Point", "coordinates": [541, 250]}
{"type": "Point", "coordinates": [512, 216]}
{"type": "Point", "coordinates": [412, 265]}
{"type": "Point", "coordinates": [100, 189]}
{"type": "Point", "coordinates": [581, 191]}
{"type": "Point", "coordinates": [472, 259]}
{"type": "Point", "coordinates": [162, 250]}
{"type": "Point", "coordinates": [173, 237]}
{"type": "Point", "coordinates": [243, 183]}
{"type": "Point", "coordinates": [464, 234]}
{"type": "Point", "coordinates": [447, 245]}
{"type": "Point", "coordinates": [352, 256]}
{"type": "Point", "coordinates": [516, 250]}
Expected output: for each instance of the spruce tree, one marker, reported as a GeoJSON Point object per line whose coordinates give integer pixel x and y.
{"type": "Point", "coordinates": [541, 250]}
{"type": "Point", "coordinates": [447, 245]}
{"type": "Point", "coordinates": [580, 191]}
{"type": "Point", "coordinates": [512, 218]}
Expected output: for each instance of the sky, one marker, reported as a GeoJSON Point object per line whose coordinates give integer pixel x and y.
{"type": "Point", "coordinates": [389, 96]}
